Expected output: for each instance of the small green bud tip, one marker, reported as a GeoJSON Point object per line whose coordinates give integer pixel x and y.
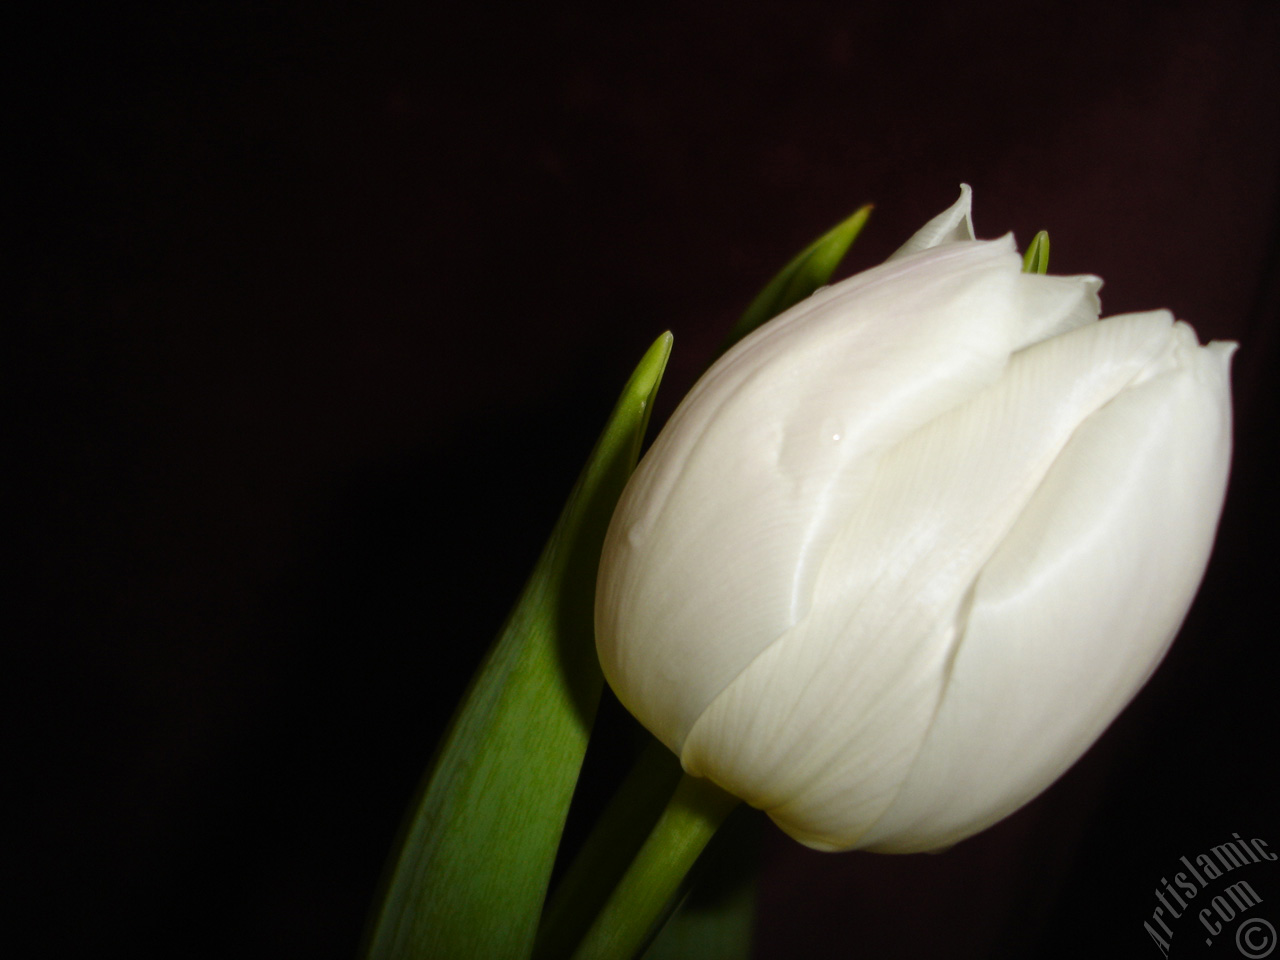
{"type": "Point", "coordinates": [1036, 259]}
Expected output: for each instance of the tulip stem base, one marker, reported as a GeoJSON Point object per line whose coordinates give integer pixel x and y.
{"type": "Point", "coordinates": [645, 895]}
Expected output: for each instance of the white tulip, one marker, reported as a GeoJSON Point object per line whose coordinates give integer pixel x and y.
{"type": "Point", "coordinates": [903, 553]}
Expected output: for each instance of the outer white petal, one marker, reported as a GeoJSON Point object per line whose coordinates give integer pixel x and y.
{"type": "Point", "coordinates": [953, 224]}
{"type": "Point", "coordinates": [1044, 311]}
{"type": "Point", "coordinates": [714, 548]}
{"type": "Point", "coordinates": [1079, 604]}
{"type": "Point", "coordinates": [1056, 305]}
{"type": "Point", "coordinates": [823, 726]}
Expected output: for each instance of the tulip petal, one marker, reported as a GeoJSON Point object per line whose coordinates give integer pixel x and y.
{"type": "Point", "coordinates": [1055, 305]}
{"type": "Point", "coordinates": [953, 224]}
{"type": "Point", "coordinates": [903, 553]}
{"type": "Point", "coordinates": [722, 528]}
{"type": "Point", "coordinates": [823, 726]}
{"type": "Point", "coordinates": [1079, 604]}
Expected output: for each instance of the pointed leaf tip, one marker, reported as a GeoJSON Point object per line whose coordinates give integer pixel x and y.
{"type": "Point", "coordinates": [648, 373]}
{"type": "Point", "coordinates": [810, 269]}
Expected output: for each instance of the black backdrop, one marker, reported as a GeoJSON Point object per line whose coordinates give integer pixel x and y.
{"type": "Point", "coordinates": [320, 306]}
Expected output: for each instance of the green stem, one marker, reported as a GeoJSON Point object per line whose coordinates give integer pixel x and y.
{"type": "Point", "coordinates": [608, 850]}
{"type": "Point", "coordinates": [643, 896]}
{"type": "Point", "coordinates": [716, 920]}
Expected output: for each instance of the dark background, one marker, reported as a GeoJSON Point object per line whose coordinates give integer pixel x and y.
{"type": "Point", "coordinates": [319, 308]}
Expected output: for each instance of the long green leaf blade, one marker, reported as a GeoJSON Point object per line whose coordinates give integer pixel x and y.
{"type": "Point", "coordinates": [810, 269]}
{"type": "Point", "coordinates": [475, 858]}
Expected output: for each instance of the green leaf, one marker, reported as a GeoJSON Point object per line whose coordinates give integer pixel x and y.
{"type": "Point", "coordinates": [1036, 259]}
{"type": "Point", "coordinates": [475, 857]}
{"type": "Point", "coordinates": [810, 269]}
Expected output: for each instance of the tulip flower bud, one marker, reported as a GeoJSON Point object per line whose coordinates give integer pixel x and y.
{"type": "Point", "coordinates": [902, 554]}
